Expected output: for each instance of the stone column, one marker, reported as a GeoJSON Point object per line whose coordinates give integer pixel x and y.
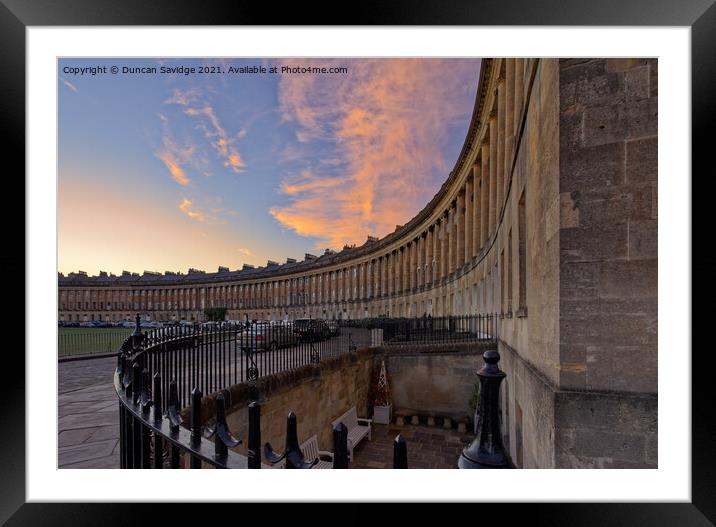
{"type": "Point", "coordinates": [469, 207]}
{"type": "Point", "coordinates": [415, 253]}
{"type": "Point", "coordinates": [420, 280]}
{"type": "Point", "coordinates": [436, 254]}
{"type": "Point", "coordinates": [451, 238]}
{"type": "Point", "coordinates": [391, 269]}
{"type": "Point", "coordinates": [443, 246]}
{"type": "Point", "coordinates": [460, 230]}
{"type": "Point", "coordinates": [441, 263]}
{"type": "Point", "coordinates": [430, 234]}
{"type": "Point", "coordinates": [476, 210]}
{"type": "Point", "coordinates": [501, 179]}
{"type": "Point", "coordinates": [405, 282]}
{"type": "Point", "coordinates": [382, 275]}
{"type": "Point", "coordinates": [509, 119]}
{"type": "Point", "coordinates": [492, 160]}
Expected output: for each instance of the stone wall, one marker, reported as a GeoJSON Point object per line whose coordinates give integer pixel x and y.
{"type": "Point", "coordinates": [433, 381]}
{"type": "Point", "coordinates": [608, 233]}
{"type": "Point", "coordinates": [317, 394]}
{"type": "Point", "coordinates": [438, 380]}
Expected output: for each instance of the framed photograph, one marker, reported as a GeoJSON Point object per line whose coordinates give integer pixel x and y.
{"type": "Point", "coordinates": [434, 246]}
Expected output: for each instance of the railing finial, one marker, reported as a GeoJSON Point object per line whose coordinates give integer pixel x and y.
{"type": "Point", "coordinates": [223, 439]}
{"type": "Point", "coordinates": [292, 453]}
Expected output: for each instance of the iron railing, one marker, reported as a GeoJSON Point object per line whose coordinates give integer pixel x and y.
{"type": "Point", "coordinates": [160, 373]}
{"type": "Point", "coordinates": [434, 330]}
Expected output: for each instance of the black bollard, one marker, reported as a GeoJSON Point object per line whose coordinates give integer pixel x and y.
{"type": "Point", "coordinates": [487, 451]}
{"type": "Point", "coordinates": [254, 447]}
{"type": "Point", "coordinates": [195, 424]}
{"type": "Point", "coordinates": [340, 446]}
{"type": "Point", "coordinates": [400, 452]}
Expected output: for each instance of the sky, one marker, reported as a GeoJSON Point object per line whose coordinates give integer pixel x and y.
{"type": "Point", "coordinates": [164, 171]}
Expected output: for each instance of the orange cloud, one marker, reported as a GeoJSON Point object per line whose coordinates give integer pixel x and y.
{"type": "Point", "coordinates": [213, 131]}
{"type": "Point", "coordinates": [173, 155]}
{"type": "Point", "coordinates": [187, 207]}
{"type": "Point", "coordinates": [389, 120]}
{"type": "Point", "coordinates": [174, 169]}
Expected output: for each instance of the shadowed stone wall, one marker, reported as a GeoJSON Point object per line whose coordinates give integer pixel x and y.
{"type": "Point", "coordinates": [435, 381]}
{"type": "Point", "coordinates": [317, 394]}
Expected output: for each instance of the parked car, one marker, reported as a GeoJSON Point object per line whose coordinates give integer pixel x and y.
{"type": "Point", "coordinates": [311, 329]}
{"type": "Point", "coordinates": [333, 328]}
{"type": "Point", "coordinates": [262, 337]}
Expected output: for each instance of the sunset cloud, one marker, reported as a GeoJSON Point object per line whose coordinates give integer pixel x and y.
{"type": "Point", "coordinates": [187, 207]}
{"type": "Point", "coordinates": [173, 155]}
{"type": "Point", "coordinates": [174, 168]}
{"type": "Point", "coordinates": [210, 125]}
{"type": "Point", "coordinates": [387, 123]}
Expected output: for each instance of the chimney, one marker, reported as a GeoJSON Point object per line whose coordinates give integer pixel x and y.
{"type": "Point", "coordinates": [290, 260]}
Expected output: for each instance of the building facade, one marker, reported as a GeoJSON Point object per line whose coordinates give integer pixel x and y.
{"type": "Point", "coordinates": [549, 218]}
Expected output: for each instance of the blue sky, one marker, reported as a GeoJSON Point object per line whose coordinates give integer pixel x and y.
{"type": "Point", "coordinates": [169, 171]}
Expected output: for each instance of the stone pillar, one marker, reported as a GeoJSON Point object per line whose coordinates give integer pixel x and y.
{"type": "Point", "coordinates": [469, 208]}
{"type": "Point", "coordinates": [415, 254]}
{"type": "Point", "coordinates": [382, 275]}
{"type": "Point", "coordinates": [492, 160]}
{"type": "Point", "coordinates": [509, 120]}
{"type": "Point", "coordinates": [501, 179]}
{"type": "Point", "coordinates": [429, 234]}
{"type": "Point", "coordinates": [460, 230]}
{"type": "Point", "coordinates": [442, 261]}
{"type": "Point", "coordinates": [420, 279]}
{"type": "Point", "coordinates": [477, 209]}
{"type": "Point", "coordinates": [395, 265]}
{"type": "Point", "coordinates": [451, 238]}
{"type": "Point", "coordinates": [436, 254]}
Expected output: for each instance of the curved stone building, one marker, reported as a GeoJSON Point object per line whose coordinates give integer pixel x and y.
{"type": "Point", "coordinates": [548, 218]}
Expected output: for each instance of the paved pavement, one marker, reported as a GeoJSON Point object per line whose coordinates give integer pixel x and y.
{"type": "Point", "coordinates": [88, 425]}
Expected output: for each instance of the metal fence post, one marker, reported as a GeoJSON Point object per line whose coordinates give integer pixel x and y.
{"type": "Point", "coordinates": [196, 424]}
{"type": "Point", "coordinates": [223, 439]}
{"type": "Point", "coordinates": [254, 447]}
{"type": "Point", "coordinates": [292, 452]}
{"type": "Point", "coordinates": [158, 416]}
{"type": "Point", "coordinates": [174, 421]}
{"type": "Point", "coordinates": [487, 451]}
{"type": "Point", "coordinates": [340, 446]}
{"type": "Point", "coordinates": [400, 452]}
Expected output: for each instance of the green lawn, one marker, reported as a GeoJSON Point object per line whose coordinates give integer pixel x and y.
{"type": "Point", "coordinates": [77, 341]}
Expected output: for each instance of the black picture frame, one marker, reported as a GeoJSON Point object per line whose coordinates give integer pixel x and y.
{"type": "Point", "coordinates": [17, 15]}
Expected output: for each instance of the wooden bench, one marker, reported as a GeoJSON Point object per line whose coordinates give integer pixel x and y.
{"type": "Point", "coordinates": [356, 430]}
{"type": "Point", "coordinates": [310, 452]}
